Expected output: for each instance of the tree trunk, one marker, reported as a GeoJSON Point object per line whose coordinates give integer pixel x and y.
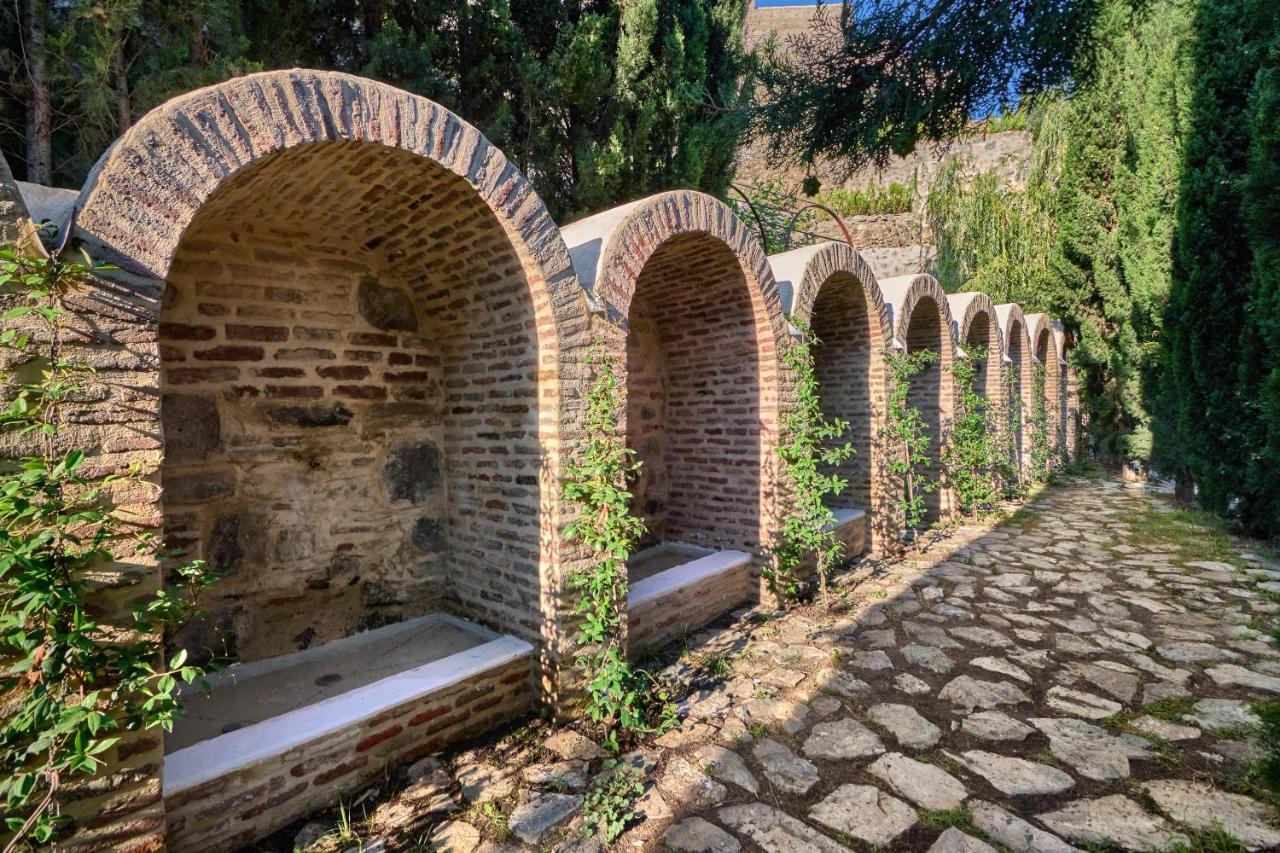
{"type": "Point", "coordinates": [120, 81]}
{"type": "Point", "coordinates": [39, 110]}
{"type": "Point", "coordinates": [1184, 489]}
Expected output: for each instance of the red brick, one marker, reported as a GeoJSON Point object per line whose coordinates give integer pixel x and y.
{"type": "Point", "coordinates": [343, 371]}
{"type": "Point", "coordinates": [230, 353]}
{"type": "Point", "coordinates": [242, 332]}
{"type": "Point", "coordinates": [374, 739]}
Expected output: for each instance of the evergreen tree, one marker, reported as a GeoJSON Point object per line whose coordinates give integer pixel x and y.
{"type": "Point", "coordinates": [597, 102]}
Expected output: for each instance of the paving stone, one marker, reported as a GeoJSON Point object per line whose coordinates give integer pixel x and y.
{"type": "Point", "coordinates": [570, 746]}
{"type": "Point", "coordinates": [1112, 820]}
{"type": "Point", "coordinates": [1016, 776]}
{"type": "Point", "coordinates": [995, 726]}
{"type": "Point", "coordinates": [931, 658]}
{"type": "Point", "coordinates": [562, 775]}
{"type": "Point", "coordinates": [726, 765]}
{"type": "Point", "coordinates": [775, 831]}
{"type": "Point", "coordinates": [865, 813]}
{"type": "Point", "coordinates": [912, 686]}
{"type": "Point", "coordinates": [697, 835]}
{"type": "Point", "coordinates": [1164, 729]}
{"type": "Point", "coordinates": [688, 786]}
{"type": "Point", "coordinates": [456, 835]}
{"type": "Point", "coordinates": [924, 784]}
{"type": "Point", "coordinates": [1200, 806]}
{"type": "Point", "coordinates": [652, 805]}
{"type": "Point", "coordinates": [1092, 751]}
{"type": "Point", "coordinates": [1231, 675]}
{"type": "Point", "coordinates": [784, 769]}
{"type": "Point", "coordinates": [1081, 704]}
{"type": "Point", "coordinates": [1119, 683]}
{"type": "Point", "coordinates": [1194, 652]}
{"type": "Point", "coordinates": [1213, 714]}
{"type": "Point", "coordinates": [482, 783]}
{"type": "Point", "coordinates": [906, 724]}
{"type": "Point", "coordinates": [842, 739]}
{"type": "Point", "coordinates": [873, 660]}
{"type": "Point", "coordinates": [930, 635]}
{"type": "Point", "coordinates": [1014, 833]}
{"type": "Point", "coordinates": [955, 841]}
{"type": "Point", "coordinates": [1000, 666]}
{"type": "Point", "coordinates": [981, 637]}
{"type": "Point", "coordinates": [840, 683]}
{"type": "Point", "coordinates": [544, 812]}
{"type": "Point", "coordinates": [886, 638]}
{"type": "Point", "coordinates": [824, 706]}
{"type": "Point", "coordinates": [970, 693]}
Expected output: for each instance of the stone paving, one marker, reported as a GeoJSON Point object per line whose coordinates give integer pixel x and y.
{"type": "Point", "coordinates": [1055, 682]}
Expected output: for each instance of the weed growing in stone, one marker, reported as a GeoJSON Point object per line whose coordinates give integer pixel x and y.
{"type": "Point", "coordinates": [73, 684]}
{"type": "Point", "coordinates": [812, 445]}
{"type": "Point", "coordinates": [908, 435]}
{"type": "Point", "coordinates": [609, 806]}
{"type": "Point", "coordinates": [623, 698]}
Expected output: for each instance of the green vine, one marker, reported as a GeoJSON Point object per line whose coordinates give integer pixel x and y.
{"type": "Point", "coordinates": [812, 444]}
{"type": "Point", "coordinates": [1043, 453]}
{"type": "Point", "coordinates": [908, 436]}
{"type": "Point", "coordinates": [72, 685]}
{"type": "Point", "coordinates": [622, 698]}
{"type": "Point", "coordinates": [1009, 419]}
{"type": "Point", "coordinates": [974, 456]}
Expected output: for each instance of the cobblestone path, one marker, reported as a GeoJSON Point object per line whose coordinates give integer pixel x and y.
{"type": "Point", "coordinates": [1077, 677]}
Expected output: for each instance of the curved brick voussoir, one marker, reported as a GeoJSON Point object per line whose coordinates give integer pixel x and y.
{"type": "Point", "coordinates": [974, 323]}
{"type": "Point", "coordinates": [148, 186]}
{"type": "Point", "coordinates": [903, 293]}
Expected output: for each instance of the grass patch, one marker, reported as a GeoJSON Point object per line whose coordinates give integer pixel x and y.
{"type": "Point", "coordinates": [1213, 840]}
{"type": "Point", "coordinates": [1198, 535]}
{"type": "Point", "coordinates": [716, 665]}
{"type": "Point", "coordinates": [1170, 709]}
{"type": "Point", "coordinates": [961, 819]}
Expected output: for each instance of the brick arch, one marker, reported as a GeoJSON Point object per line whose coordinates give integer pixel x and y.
{"type": "Point", "coordinates": [921, 318]}
{"type": "Point", "coordinates": [690, 309]}
{"type": "Point", "coordinates": [388, 174]}
{"type": "Point", "coordinates": [974, 325]}
{"type": "Point", "coordinates": [1045, 349]}
{"type": "Point", "coordinates": [832, 289]}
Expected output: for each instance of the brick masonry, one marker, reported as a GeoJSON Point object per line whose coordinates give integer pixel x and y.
{"type": "Point", "coordinates": [238, 808]}
{"type": "Point", "coordinates": [349, 343]}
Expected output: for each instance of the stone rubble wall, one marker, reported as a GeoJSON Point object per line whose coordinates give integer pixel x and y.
{"type": "Point", "coordinates": [347, 347]}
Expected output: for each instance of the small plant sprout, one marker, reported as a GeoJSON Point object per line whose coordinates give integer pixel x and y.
{"type": "Point", "coordinates": [609, 806]}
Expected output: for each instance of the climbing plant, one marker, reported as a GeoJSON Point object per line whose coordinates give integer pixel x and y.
{"type": "Point", "coordinates": [624, 699]}
{"type": "Point", "coordinates": [812, 445]}
{"type": "Point", "coordinates": [908, 435]}
{"type": "Point", "coordinates": [1009, 420]}
{"type": "Point", "coordinates": [1042, 449]}
{"type": "Point", "coordinates": [972, 458]}
{"type": "Point", "coordinates": [73, 685]}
